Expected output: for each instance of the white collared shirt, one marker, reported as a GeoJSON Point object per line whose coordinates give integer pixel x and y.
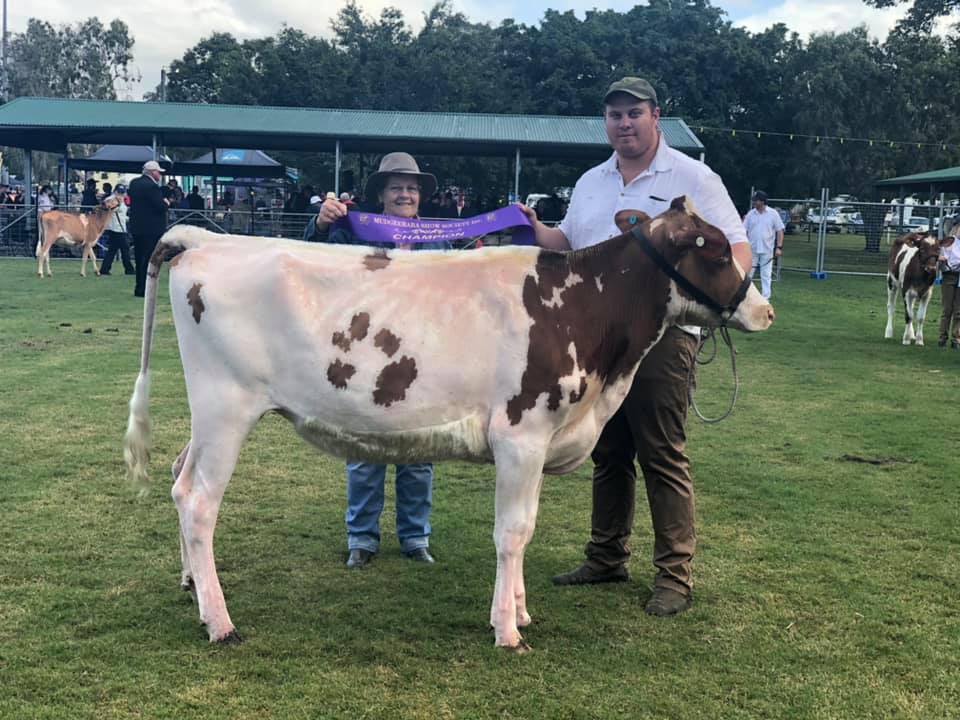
{"type": "Point", "coordinates": [762, 229]}
{"type": "Point", "coordinates": [600, 194]}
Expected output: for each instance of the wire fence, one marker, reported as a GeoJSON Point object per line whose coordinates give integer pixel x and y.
{"type": "Point", "coordinates": [850, 237]}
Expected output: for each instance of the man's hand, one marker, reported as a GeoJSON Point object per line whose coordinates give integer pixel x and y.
{"type": "Point", "coordinates": [529, 212]}
{"type": "Point", "coordinates": [777, 251]}
{"type": "Point", "coordinates": [331, 211]}
{"type": "Point", "coordinates": [548, 237]}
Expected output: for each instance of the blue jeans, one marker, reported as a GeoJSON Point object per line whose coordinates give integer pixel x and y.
{"type": "Point", "coordinates": [365, 504]}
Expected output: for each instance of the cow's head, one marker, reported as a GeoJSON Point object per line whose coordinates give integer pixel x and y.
{"type": "Point", "coordinates": [928, 252]}
{"type": "Point", "coordinates": [700, 253]}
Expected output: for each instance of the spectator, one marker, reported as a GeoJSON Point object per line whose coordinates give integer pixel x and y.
{"type": "Point", "coordinates": [398, 185]}
{"type": "Point", "coordinates": [147, 219]}
{"type": "Point", "coordinates": [194, 199]}
{"type": "Point", "coordinates": [765, 232]}
{"type": "Point", "coordinates": [950, 289]}
{"type": "Point", "coordinates": [315, 203]}
{"type": "Point", "coordinates": [345, 199]}
{"type": "Point", "coordinates": [88, 200]}
{"type": "Point", "coordinates": [116, 235]}
{"type": "Point", "coordinates": [643, 174]}
{"type": "Point", "coordinates": [45, 200]}
{"type": "Point", "coordinates": [550, 209]}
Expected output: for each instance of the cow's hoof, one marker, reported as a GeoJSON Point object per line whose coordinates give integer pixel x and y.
{"type": "Point", "coordinates": [231, 638]}
{"type": "Point", "coordinates": [524, 619]}
{"type": "Point", "coordinates": [521, 648]}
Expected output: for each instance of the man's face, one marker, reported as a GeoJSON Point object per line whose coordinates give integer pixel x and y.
{"type": "Point", "coordinates": [155, 174]}
{"type": "Point", "coordinates": [759, 205]}
{"type": "Point", "coordinates": [631, 125]}
{"type": "Point", "coordinates": [401, 196]}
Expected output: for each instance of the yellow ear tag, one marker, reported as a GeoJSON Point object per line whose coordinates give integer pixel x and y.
{"type": "Point", "coordinates": [700, 241]}
{"type": "Point", "coordinates": [632, 219]}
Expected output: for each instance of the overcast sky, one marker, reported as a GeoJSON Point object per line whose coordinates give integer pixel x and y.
{"type": "Point", "coordinates": [163, 29]}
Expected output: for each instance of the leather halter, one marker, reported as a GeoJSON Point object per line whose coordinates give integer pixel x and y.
{"type": "Point", "coordinates": [724, 311]}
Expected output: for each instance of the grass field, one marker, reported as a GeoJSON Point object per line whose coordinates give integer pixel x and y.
{"type": "Point", "coordinates": [827, 583]}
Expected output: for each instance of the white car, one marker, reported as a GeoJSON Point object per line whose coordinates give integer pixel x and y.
{"type": "Point", "coordinates": [917, 225]}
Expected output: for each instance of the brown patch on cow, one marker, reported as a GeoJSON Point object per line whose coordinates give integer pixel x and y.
{"type": "Point", "coordinates": [339, 373]}
{"type": "Point", "coordinates": [176, 261]}
{"type": "Point", "coordinates": [193, 297]}
{"type": "Point", "coordinates": [359, 327]}
{"type": "Point", "coordinates": [387, 341]}
{"type": "Point", "coordinates": [609, 324]}
{"type": "Point", "coordinates": [161, 253]}
{"type": "Point", "coordinates": [377, 260]}
{"type": "Point", "coordinates": [394, 380]}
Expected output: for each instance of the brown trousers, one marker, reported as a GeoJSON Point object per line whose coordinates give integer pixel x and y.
{"type": "Point", "coordinates": [649, 427]}
{"type": "Point", "coordinates": [950, 297]}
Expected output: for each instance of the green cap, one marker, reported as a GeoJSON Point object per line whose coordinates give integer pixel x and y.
{"type": "Point", "coordinates": [638, 87]}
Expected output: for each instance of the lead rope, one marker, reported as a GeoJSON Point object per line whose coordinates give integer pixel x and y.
{"type": "Point", "coordinates": [725, 334]}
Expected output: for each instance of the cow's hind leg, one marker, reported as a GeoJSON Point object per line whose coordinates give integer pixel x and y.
{"type": "Point", "coordinates": [186, 574]}
{"type": "Point", "coordinates": [519, 475]}
{"type": "Point", "coordinates": [891, 306]}
{"type": "Point", "coordinates": [212, 455]}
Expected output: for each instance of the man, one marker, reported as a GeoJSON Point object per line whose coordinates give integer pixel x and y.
{"type": "Point", "coordinates": [194, 199]}
{"type": "Point", "coordinates": [398, 185]}
{"type": "Point", "coordinates": [643, 174]}
{"type": "Point", "coordinates": [88, 199]}
{"type": "Point", "coordinates": [116, 235]}
{"type": "Point", "coordinates": [147, 219]}
{"type": "Point", "coordinates": [950, 289]}
{"type": "Point", "coordinates": [765, 233]}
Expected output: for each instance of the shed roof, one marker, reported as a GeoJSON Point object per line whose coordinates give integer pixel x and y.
{"type": "Point", "coordinates": [120, 158]}
{"type": "Point", "coordinates": [50, 124]}
{"type": "Point", "coordinates": [945, 179]}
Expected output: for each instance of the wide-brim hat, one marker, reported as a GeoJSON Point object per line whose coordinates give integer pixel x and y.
{"type": "Point", "coordinates": [399, 163]}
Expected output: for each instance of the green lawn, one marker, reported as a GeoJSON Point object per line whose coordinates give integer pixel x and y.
{"type": "Point", "coordinates": [827, 582]}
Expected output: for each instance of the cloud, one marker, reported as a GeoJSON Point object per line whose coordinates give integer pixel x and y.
{"type": "Point", "coordinates": [817, 16]}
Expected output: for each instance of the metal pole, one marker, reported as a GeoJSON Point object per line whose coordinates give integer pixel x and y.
{"type": "Point", "coordinates": [516, 177]}
{"type": "Point", "coordinates": [213, 179]}
{"type": "Point", "coordinates": [154, 146]}
{"type": "Point", "coordinates": [66, 177]}
{"type": "Point", "coordinates": [336, 170]}
{"type": "Point", "coordinates": [28, 174]}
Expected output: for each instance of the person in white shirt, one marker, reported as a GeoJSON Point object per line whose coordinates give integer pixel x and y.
{"type": "Point", "coordinates": [644, 174]}
{"type": "Point", "coordinates": [949, 290]}
{"type": "Point", "coordinates": [765, 232]}
{"type": "Point", "coordinates": [116, 235]}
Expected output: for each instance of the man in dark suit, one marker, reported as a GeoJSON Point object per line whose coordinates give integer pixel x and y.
{"type": "Point", "coordinates": [147, 220]}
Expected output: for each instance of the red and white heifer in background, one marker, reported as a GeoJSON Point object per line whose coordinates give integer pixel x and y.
{"type": "Point", "coordinates": [72, 229]}
{"type": "Point", "coordinates": [368, 354]}
{"type": "Point", "coordinates": [912, 272]}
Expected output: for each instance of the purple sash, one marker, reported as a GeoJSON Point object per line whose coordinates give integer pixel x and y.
{"type": "Point", "coordinates": [387, 229]}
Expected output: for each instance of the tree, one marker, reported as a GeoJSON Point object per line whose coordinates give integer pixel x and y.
{"type": "Point", "coordinates": [922, 13]}
{"type": "Point", "coordinates": [70, 61]}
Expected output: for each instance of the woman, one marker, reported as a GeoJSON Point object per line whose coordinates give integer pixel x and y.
{"type": "Point", "coordinates": [398, 186]}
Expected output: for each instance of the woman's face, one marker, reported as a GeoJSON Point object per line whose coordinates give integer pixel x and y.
{"type": "Point", "coordinates": [401, 196]}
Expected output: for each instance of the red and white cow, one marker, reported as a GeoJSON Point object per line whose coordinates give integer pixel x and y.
{"type": "Point", "coordinates": [911, 272]}
{"type": "Point", "coordinates": [516, 356]}
{"type": "Point", "coordinates": [71, 229]}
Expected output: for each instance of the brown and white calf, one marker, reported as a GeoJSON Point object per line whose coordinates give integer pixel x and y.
{"type": "Point", "coordinates": [72, 229]}
{"type": "Point", "coordinates": [912, 272]}
{"type": "Point", "coordinates": [515, 356]}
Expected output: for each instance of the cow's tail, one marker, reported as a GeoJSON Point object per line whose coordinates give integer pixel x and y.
{"type": "Point", "coordinates": [136, 442]}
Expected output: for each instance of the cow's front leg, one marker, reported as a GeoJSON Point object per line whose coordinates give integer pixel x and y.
{"type": "Point", "coordinates": [908, 300]}
{"type": "Point", "coordinates": [921, 314]}
{"type": "Point", "coordinates": [891, 307]}
{"type": "Point", "coordinates": [519, 474]}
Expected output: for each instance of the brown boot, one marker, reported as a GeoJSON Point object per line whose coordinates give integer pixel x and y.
{"type": "Point", "coordinates": [666, 602]}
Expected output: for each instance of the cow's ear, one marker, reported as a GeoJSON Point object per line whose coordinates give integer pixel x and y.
{"type": "Point", "coordinates": [705, 240]}
{"type": "Point", "coordinates": [626, 220]}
